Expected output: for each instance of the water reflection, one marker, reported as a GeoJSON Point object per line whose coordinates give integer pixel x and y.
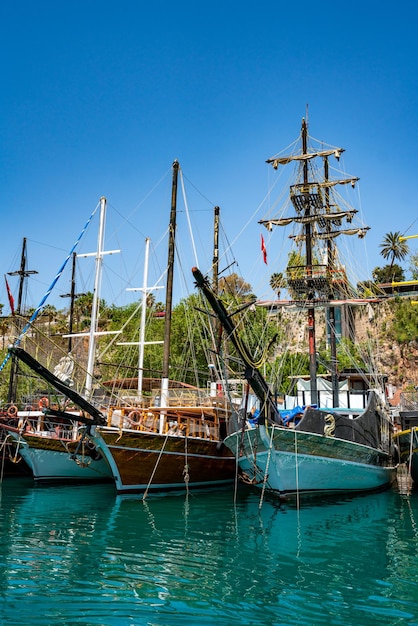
{"type": "Point", "coordinates": [88, 554]}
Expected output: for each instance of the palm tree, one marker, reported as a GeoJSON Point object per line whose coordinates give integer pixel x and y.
{"type": "Point", "coordinates": [393, 248]}
{"type": "Point", "coordinates": [4, 327]}
{"type": "Point", "coordinates": [50, 312]}
{"type": "Point", "coordinates": [235, 286]}
{"type": "Point", "coordinates": [277, 282]}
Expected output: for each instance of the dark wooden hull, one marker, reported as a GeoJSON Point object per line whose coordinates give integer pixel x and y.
{"type": "Point", "coordinates": [143, 461]}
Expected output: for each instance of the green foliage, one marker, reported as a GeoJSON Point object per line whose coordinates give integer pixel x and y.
{"type": "Point", "coordinates": [190, 342]}
{"type": "Point", "coordinates": [285, 367]}
{"type": "Point", "coordinates": [368, 289]}
{"type": "Point", "coordinates": [413, 267]}
{"type": "Point", "coordinates": [256, 332]}
{"type": "Point", "coordinates": [122, 360]}
{"type": "Point", "coordinates": [392, 247]}
{"type": "Point", "coordinates": [405, 323]}
{"type": "Point", "coordinates": [4, 378]}
{"type": "Point", "coordinates": [388, 274]}
{"type": "Point", "coordinates": [234, 286]}
{"type": "Point", "coordinates": [277, 282]}
{"type": "Point", "coordinates": [350, 356]}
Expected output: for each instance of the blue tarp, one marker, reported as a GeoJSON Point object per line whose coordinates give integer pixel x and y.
{"type": "Point", "coordinates": [287, 416]}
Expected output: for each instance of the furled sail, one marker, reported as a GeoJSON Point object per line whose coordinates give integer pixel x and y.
{"type": "Point", "coordinates": [312, 218]}
{"type": "Point", "coordinates": [361, 232]}
{"type": "Point", "coordinates": [276, 161]}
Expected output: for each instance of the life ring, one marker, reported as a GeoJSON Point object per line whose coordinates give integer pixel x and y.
{"type": "Point", "coordinates": [12, 411]}
{"type": "Point", "coordinates": [135, 418]}
{"type": "Point", "coordinates": [43, 403]}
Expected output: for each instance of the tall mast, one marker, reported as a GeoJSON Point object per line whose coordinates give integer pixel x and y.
{"type": "Point", "coordinates": [215, 262]}
{"type": "Point", "coordinates": [23, 273]}
{"type": "Point", "coordinates": [99, 254]}
{"type": "Point", "coordinates": [321, 218]}
{"type": "Point", "coordinates": [143, 320]}
{"type": "Point", "coordinates": [215, 288]}
{"type": "Point", "coordinates": [169, 292]}
{"type": "Point", "coordinates": [144, 300]}
{"type": "Point", "coordinates": [72, 295]}
{"type": "Point", "coordinates": [311, 290]}
{"type": "Point", "coordinates": [96, 294]}
{"type": "Point", "coordinates": [331, 311]}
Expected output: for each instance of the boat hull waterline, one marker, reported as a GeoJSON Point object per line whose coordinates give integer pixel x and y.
{"type": "Point", "coordinates": [50, 462]}
{"type": "Point", "coordinates": [142, 461]}
{"type": "Point", "coordinates": [287, 462]}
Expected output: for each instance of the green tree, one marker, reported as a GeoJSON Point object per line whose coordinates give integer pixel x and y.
{"type": "Point", "coordinates": [4, 327]}
{"type": "Point", "coordinates": [235, 286]}
{"type": "Point", "coordinates": [405, 323]}
{"type": "Point", "coordinates": [413, 267]}
{"type": "Point", "coordinates": [83, 307]}
{"type": "Point", "coordinates": [295, 275]}
{"type": "Point", "coordinates": [388, 274]}
{"type": "Point", "coordinates": [191, 341]}
{"type": "Point", "coordinates": [349, 356]}
{"type": "Point", "coordinates": [277, 282]}
{"type": "Point", "coordinates": [286, 368]}
{"type": "Point", "coordinates": [50, 313]}
{"type": "Point", "coordinates": [393, 248]}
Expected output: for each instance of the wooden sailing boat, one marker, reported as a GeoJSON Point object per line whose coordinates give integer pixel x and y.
{"type": "Point", "coordinates": [326, 451]}
{"type": "Point", "coordinates": [49, 440]}
{"type": "Point", "coordinates": [149, 445]}
{"type": "Point", "coordinates": [176, 444]}
{"type": "Point", "coordinates": [11, 462]}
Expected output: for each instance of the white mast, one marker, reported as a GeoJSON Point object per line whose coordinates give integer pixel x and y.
{"type": "Point", "coordinates": [94, 309]}
{"type": "Point", "coordinates": [93, 333]}
{"type": "Point", "coordinates": [143, 319]}
{"type": "Point", "coordinates": [96, 296]}
{"type": "Point", "coordinates": [142, 343]}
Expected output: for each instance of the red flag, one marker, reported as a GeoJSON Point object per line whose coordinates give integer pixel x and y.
{"type": "Point", "coordinates": [263, 250]}
{"type": "Point", "coordinates": [11, 299]}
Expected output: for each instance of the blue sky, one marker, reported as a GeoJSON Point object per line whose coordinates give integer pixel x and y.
{"type": "Point", "coordinates": [99, 98]}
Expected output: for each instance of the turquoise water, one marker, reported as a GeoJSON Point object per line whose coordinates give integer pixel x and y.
{"type": "Point", "coordinates": [83, 555]}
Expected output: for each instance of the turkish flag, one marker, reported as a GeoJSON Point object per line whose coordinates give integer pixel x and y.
{"type": "Point", "coordinates": [263, 250]}
{"type": "Point", "coordinates": [11, 299]}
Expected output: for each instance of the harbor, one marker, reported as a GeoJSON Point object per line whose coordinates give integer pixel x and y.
{"type": "Point", "coordinates": [208, 315]}
{"type": "Point", "coordinates": [83, 555]}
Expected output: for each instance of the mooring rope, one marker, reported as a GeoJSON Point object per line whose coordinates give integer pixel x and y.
{"type": "Point", "coordinates": [155, 468]}
{"type": "Point", "coordinates": [263, 489]}
{"type": "Point", "coordinates": [186, 475]}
